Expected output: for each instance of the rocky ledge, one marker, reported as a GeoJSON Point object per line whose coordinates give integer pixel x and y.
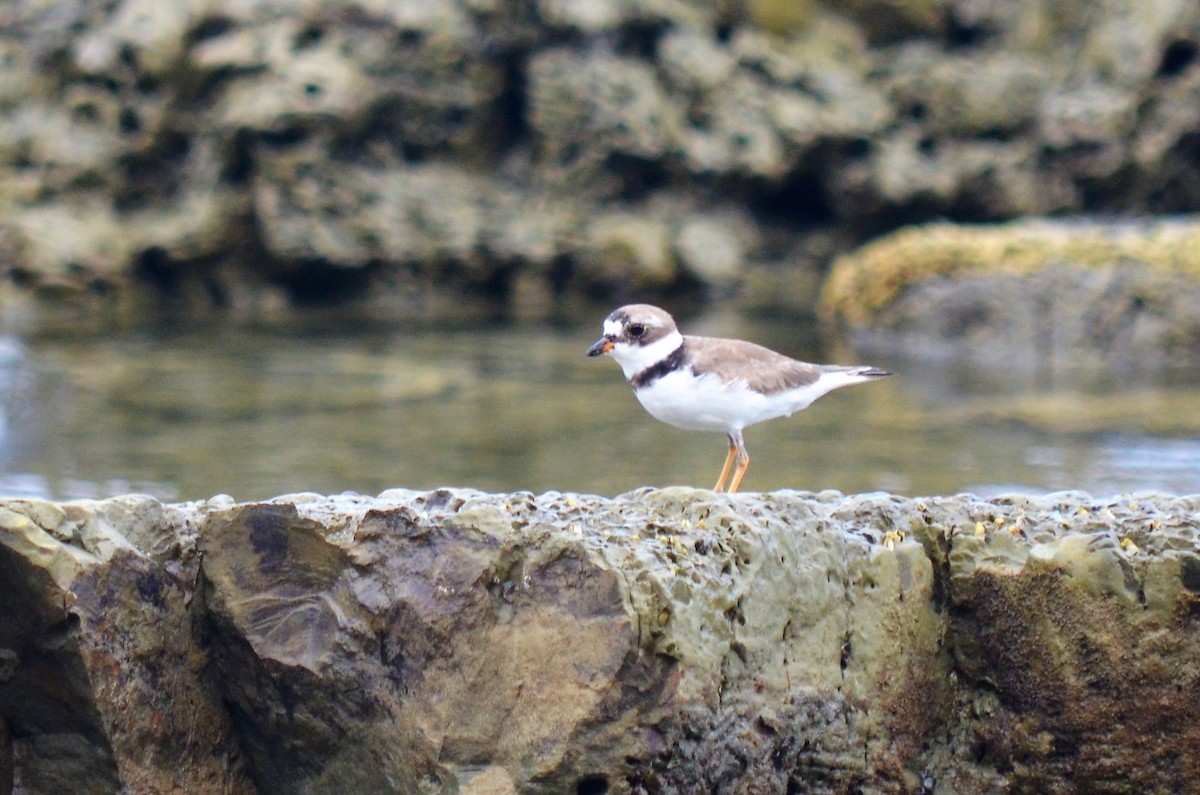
{"type": "Point", "coordinates": [253, 156]}
{"type": "Point", "coordinates": [664, 641]}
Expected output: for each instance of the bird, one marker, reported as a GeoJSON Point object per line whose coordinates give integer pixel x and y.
{"type": "Point", "coordinates": [714, 384]}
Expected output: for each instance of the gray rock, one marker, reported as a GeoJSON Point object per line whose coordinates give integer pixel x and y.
{"type": "Point", "coordinates": [673, 641]}
{"type": "Point", "coordinates": [1044, 297]}
{"type": "Point", "coordinates": [995, 95]}
{"type": "Point", "coordinates": [740, 136]}
{"type": "Point", "coordinates": [586, 108]}
{"type": "Point", "coordinates": [636, 247]}
{"type": "Point", "coordinates": [711, 249]}
{"type": "Point", "coordinates": [221, 151]}
{"type": "Point", "coordinates": [890, 20]}
{"type": "Point", "coordinates": [693, 61]}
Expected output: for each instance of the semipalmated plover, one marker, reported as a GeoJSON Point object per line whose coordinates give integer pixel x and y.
{"type": "Point", "coordinates": [711, 384]}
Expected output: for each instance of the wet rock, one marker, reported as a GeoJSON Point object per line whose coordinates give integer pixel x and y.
{"type": "Point", "coordinates": [672, 641]}
{"type": "Point", "coordinates": [1051, 296]}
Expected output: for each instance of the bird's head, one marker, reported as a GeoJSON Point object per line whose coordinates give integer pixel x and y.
{"type": "Point", "coordinates": [637, 336]}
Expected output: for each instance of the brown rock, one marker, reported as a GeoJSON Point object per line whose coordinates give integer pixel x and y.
{"type": "Point", "coordinates": [670, 641]}
{"type": "Point", "coordinates": [103, 688]}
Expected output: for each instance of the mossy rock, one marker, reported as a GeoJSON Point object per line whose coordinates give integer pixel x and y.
{"type": "Point", "coordinates": [867, 280]}
{"type": "Point", "coordinates": [1080, 292]}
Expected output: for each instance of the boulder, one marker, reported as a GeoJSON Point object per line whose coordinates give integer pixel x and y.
{"type": "Point", "coordinates": [101, 690]}
{"type": "Point", "coordinates": [663, 641]}
{"type": "Point", "coordinates": [1044, 296]}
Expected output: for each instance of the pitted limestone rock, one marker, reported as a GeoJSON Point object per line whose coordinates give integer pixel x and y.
{"type": "Point", "coordinates": [666, 641]}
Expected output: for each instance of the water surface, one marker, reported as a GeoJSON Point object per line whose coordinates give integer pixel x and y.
{"type": "Point", "coordinates": [187, 414]}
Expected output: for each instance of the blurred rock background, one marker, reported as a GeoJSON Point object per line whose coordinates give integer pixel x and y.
{"type": "Point", "coordinates": [516, 157]}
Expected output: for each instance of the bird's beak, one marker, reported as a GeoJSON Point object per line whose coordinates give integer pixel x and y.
{"type": "Point", "coordinates": [603, 345]}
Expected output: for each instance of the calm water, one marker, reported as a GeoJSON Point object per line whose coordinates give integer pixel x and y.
{"type": "Point", "coordinates": [253, 414]}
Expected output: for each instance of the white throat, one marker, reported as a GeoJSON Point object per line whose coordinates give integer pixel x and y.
{"type": "Point", "coordinates": [635, 358]}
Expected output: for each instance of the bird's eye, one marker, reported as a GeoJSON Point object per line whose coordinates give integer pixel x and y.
{"type": "Point", "coordinates": [637, 330]}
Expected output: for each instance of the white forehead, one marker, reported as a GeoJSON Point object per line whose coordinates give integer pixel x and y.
{"type": "Point", "coordinates": [612, 327]}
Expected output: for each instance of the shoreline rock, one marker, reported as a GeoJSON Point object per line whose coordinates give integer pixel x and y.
{"type": "Point", "coordinates": [662, 641]}
{"type": "Point", "coordinates": [1055, 296]}
{"type": "Point", "coordinates": [236, 158]}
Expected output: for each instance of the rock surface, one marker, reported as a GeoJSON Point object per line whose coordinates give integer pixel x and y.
{"type": "Point", "coordinates": [253, 155]}
{"type": "Point", "coordinates": [670, 641]}
{"type": "Point", "coordinates": [1048, 296]}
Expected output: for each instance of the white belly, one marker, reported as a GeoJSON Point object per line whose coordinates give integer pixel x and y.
{"type": "Point", "coordinates": [708, 404]}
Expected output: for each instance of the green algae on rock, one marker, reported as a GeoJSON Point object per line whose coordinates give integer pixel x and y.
{"type": "Point", "coordinates": [868, 280]}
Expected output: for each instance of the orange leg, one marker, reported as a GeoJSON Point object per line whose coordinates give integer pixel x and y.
{"type": "Point", "coordinates": [725, 469]}
{"type": "Point", "coordinates": [743, 461]}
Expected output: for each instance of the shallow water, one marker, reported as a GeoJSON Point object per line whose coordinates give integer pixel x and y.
{"type": "Point", "coordinates": [257, 413]}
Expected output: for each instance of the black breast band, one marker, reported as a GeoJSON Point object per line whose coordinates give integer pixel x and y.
{"type": "Point", "coordinates": [669, 364]}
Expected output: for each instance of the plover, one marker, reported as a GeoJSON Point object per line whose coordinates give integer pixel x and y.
{"type": "Point", "coordinates": [712, 384]}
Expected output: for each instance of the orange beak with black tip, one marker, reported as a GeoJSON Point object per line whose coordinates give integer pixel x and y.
{"type": "Point", "coordinates": [602, 345]}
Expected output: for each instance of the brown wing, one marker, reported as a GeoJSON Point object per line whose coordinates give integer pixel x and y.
{"type": "Point", "coordinates": [761, 368]}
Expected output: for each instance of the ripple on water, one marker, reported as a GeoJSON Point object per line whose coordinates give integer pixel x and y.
{"type": "Point", "coordinates": [1127, 463]}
